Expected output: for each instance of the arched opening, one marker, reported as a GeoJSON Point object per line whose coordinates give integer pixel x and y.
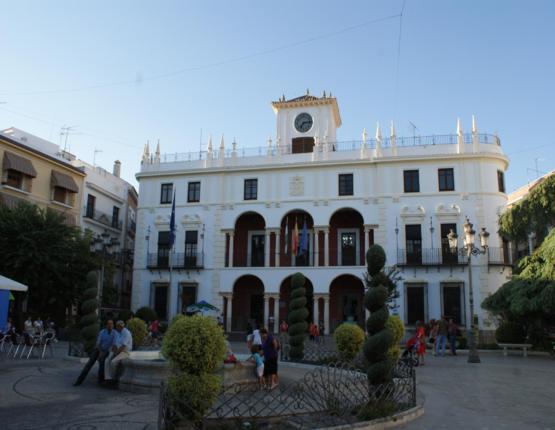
{"type": "Point", "coordinates": [285, 292]}
{"type": "Point", "coordinates": [347, 238]}
{"type": "Point", "coordinates": [249, 240]}
{"type": "Point", "coordinates": [248, 303]}
{"type": "Point", "coordinates": [346, 301]}
{"type": "Point", "coordinates": [297, 239]}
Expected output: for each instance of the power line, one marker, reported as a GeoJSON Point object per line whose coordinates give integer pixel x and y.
{"type": "Point", "coordinates": [214, 64]}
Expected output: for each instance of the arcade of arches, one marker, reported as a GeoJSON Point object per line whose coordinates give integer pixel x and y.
{"type": "Point", "coordinates": [249, 304]}
{"type": "Point", "coordinates": [251, 243]}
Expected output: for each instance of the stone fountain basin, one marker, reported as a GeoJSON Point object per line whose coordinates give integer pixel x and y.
{"type": "Point", "coordinates": [144, 371]}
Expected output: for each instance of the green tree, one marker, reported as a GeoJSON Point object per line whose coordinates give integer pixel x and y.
{"type": "Point", "coordinates": [298, 313]}
{"type": "Point", "coordinates": [380, 338]}
{"type": "Point", "coordinates": [40, 250]}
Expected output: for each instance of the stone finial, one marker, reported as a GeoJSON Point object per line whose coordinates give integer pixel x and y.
{"type": "Point", "coordinates": [158, 148]}
{"type": "Point", "coordinates": [474, 128]}
{"type": "Point", "coordinates": [222, 145]}
{"type": "Point", "coordinates": [364, 136]}
{"type": "Point", "coordinates": [392, 130]}
{"type": "Point", "coordinates": [210, 143]}
{"type": "Point", "coordinates": [393, 139]}
{"type": "Point", "coordinates": [378, 132]}
{"type": "Point", "coordinates": [324, 94]}
{"type": "Point", "coordinates": [269, 150]}
{"type": "Point", "coordinates": [475, 138]}
{"type": "Point", "coordinates": [460, 138]}
{"type": "Point", "coordinates": [459, 128]}
{"type": "Point", "coordinates": [307, 92]}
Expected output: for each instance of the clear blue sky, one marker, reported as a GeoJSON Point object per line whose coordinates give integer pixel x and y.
{"type": "Point", "coordinates": [494, 59]}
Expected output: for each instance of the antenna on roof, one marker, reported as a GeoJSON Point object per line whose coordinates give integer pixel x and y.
{"type": "Point", "coordinates": [414, 129]}
{"type": "Point", "coordinates": [200, 144]}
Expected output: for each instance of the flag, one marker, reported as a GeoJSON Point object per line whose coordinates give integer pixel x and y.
{"type": "Point", "coordinates": [286, 235]}
{"type": "Point", "coordinates": [303, 246]}
{"type": "Point", "coordinates": [172, 223]}
{"type": "Point", "coordinates": [295, 244]}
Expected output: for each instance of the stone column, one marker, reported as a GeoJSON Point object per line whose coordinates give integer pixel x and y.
{"type": "Point", "coordinates": [277, 233]}
{"type": "Point", "coordinates": [231, 234]}
{"type": "Point", "coordinates": [229, 313]}
{"type": "Point", "coordinates": [266, 310]}
{"type": "Point", "coordinates": [316, 309]}
{"type": "Point", "coordinates": [316, 244]}
{"type": "Point", "coordinates": [327, 314]}
{"type": "Point", "coordinates": [267, 248]}
{"type": "Point", "coordinates": [327, 247]}
{"type": "Point", "coordinates": [367, 229]}
{"type": "Point", "coordinates": [276, 314]}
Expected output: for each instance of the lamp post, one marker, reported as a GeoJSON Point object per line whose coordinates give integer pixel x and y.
{"type": "Point", "coordinates": [469, 249]}
{"type": "Point", "coordinates": [104, 246]}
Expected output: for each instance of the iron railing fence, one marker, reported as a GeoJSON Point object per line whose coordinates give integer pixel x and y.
{"type": "Point", "coordinates": [499, 256]}
{"type": "Point", "coordinates": [336, 257]}
{"type": "Point", "coordinates": [328, 396]}
{"type": "Point", "coordinates": [179, 260]}
{"type": "Point", "coordinates": [429, 257]}
{"type": "Point", "coordinates": [338, 146]}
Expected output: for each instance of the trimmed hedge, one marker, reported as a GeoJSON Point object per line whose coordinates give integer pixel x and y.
{"type": "Point", "coordinates": [349, 339]}
{"type": "Point", "coordinates": [138, 331]}
{"type": "Point", "coordinates": [146, 314]}
{"type": "Point", "coordinates": [298, 313]}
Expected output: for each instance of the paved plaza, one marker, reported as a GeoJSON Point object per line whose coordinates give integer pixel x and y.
{"type": "Point", "coordinates": [500, 393]}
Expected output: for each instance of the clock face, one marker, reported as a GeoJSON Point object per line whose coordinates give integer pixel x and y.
{"type": "Point", "coordinates": [303, 122]}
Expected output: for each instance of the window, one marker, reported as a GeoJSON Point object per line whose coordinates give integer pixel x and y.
{"type": "Point", "coordinates": [256, 248]}
{"type": "Point", "coordinates": [188, 295]}
{"type": "Point", "coordinates": [251, 189]}
{"type": "Point", "coordinates": [166, 193]}
{"type": "Point", "coordinates": [15, 179]}
{"type": "Point", "coordinates": [193, 195]}
{"type": "Point", "coordinates": [91, 202]}
{"type": "Point", "coordinates": [163, 248]}
{"type": "Point", "coordinates": [346, 184]}
{"type": "Point", "coordinates": [452, 300]}
{"type": "Point", "coordinates": [160, 299]}
{"type": "Point", "coordinates": [415, 302]}
{"type": "Point", "coordinates": [115, 217]}
{"type": "Point", "coordinates": [501, 181]}
{"type": "Point", "coordinates": [448, 255]}
{"type": "Point", "coordinates": [412, 182]}
{"type": "Point", "coordinates": [446, 179]}
{"type": "Point", "coordinates": [61, 195]}
{"type": "Point", "coordinates": [191, 248]}
{"type": "Point", "coordinates": [348, 244]}
{"type": "Point", "coordinates": [301, 145]}
{"type": "Point", "coordinates": [413, 241]}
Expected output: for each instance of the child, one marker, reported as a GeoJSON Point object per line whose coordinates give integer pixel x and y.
{"type": "Point", "coordinates": [259, 362]}
{"type": "Point", "coordinates": [421, 337]}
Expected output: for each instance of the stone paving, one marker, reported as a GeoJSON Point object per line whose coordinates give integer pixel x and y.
{"type": "Point", "coordinates": [500, 393]}
{"type": "Point", "coordinates": [510, 393]}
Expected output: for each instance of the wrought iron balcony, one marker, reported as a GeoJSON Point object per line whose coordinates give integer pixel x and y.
{"type": "Point", "coordinates": [429, 257]}
{"type": "Point", "coordinates": [187, 261]}
{"type": "Point", "coordinates": [499, 257]}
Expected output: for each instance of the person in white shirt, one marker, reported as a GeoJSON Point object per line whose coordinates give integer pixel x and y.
{"type": "Point", "coordinates": [123, 344]}
{"type": "Point", "coordinates": [28, 326]}
{"type": "Point", "coordinates": [256, 340]}
{"type": "Point", "coordinates": [39, 327]}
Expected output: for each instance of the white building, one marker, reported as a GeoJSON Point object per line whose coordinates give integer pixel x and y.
{"type": "Point", "coordinates": [233, 208]}
{"type": "Point", "coordinates": [109, 211]}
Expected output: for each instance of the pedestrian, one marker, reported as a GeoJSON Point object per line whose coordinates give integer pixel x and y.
{"type": "Point", "coordinates": [270, 348]}
{"type": "Point", "coordinates": [104, 342]}
{"type": "Point", "coordinates": [259, 363]}
{"type": "Point", "coordinates": [39, 326]}
{"type": "Point", "coordinates": [256, 339]}
{"type": "Point", "coordinates": [311, 331]}
{"type": "Point", "coordinates": [28, 326]}
{"type": "Point", "coordinates": [153, 329]}
{"type": "Point", "coordinates": [123, 344]}
{"type": "Point", "coordinates": [441, 336]}
{"type": "Point", "coordinates": [283, 327]}
{"type": "Point", "coordinates": [433, 334]}
{"type": "Point", "coordinates": [421, 342]}
{"type": "Point", "coordinates": [453, 329]}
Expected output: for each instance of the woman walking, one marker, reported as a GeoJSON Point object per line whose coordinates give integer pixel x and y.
{"type": "Point", "coordinates": [270, 348]}
{"type": "Point", "coordinates": [421, 338]}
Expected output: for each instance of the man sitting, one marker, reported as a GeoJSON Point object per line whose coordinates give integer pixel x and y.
{"type": "Point", "coordinates": [104, 343]}
{"type": "Point", "coordinates": [123, 345]}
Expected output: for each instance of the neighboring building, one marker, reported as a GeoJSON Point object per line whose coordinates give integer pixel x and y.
{"type": "Point", "coordinates": [91, 197]}
{"type": "Point", "coordinates": [36, 171]}
{"type": "Point", "coordinates": [108, 208]}
{"type": "Point", "coordinates": [522, 249]}
{"type": "Point", "coordinates": [235, 209]}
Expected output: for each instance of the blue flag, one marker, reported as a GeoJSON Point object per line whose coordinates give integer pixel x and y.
{"type": "Point", "coordinates": [303, 244]}
{"type": "Point", "coordinates": [172, 223]}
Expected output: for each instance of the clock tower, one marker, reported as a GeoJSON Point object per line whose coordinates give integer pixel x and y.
{"type": "Point", "coordinates": [302, 121]}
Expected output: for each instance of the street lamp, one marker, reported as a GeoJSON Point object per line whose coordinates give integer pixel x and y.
{"type": "Point", "coordinates": [469, 249]}
{"type": "Point", "coordinates": [103, 245]}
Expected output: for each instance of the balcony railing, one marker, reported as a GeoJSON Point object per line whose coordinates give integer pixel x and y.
{"type": "Point", "coordinates": [349, 145]}
{"type": "Point", "coordinates": [102, 217]}
{"type": "Point", "coordinates": [499, 257]}
{"type": "Point", "coordinates": [429, 257]}
{"type": "Point", "coordinates": [179, 260]}
{"type": "Point", "coordinates": [288, 260]}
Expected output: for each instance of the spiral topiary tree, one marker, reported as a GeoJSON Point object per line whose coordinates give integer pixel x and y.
{"type": "Point", "coordinates": [89, 312]}
{"type": "Point", "coordinates": [298, 313]}
{"type": "Point", "coordinates": [380, 338]}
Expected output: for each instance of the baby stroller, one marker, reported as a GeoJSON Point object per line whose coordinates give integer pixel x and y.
{"type": "Point", "coordinates": [409, 355]}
